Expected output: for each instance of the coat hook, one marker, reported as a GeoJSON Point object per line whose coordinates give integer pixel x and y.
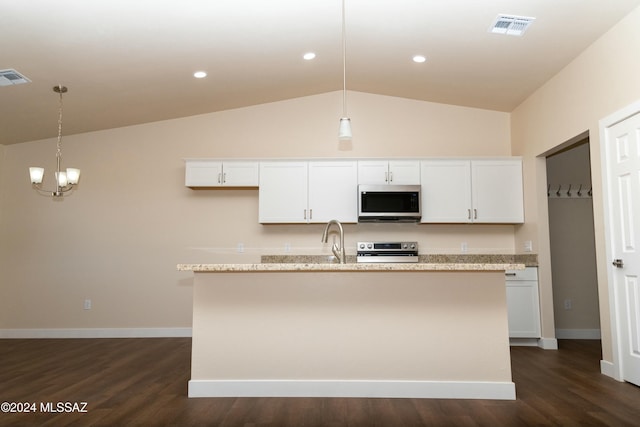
{"type": "Point", "coordinates": [569, 191]}
{"type": "Point", "coordinates": [580, 191]}
{"type": "Point", "coordinates": [558, 192]}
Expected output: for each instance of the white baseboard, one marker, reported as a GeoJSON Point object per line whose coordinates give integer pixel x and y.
{"type": "Point", "coordinates": [523, 342]}
{"type": "Point", "coordinates": [97, 333]}
{"type": "Point", "coordinates": [609, 369]}
{"type": "Point", "coordinates": [578, 334]}
{"type": "Point", "coordinates": [548, 343]}
{"type": "Point", "coordinates": [543, 343]}
{"type": "Point", "coordinates": [370, 389]}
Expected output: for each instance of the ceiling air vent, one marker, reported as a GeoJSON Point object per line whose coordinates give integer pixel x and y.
{"type": "Point", "coordinates": [12, 77]}
{"type": "Point", "coordinates": [511, 25]}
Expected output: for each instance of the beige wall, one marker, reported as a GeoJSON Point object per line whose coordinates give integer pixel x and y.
{"type": "Point", "coordinates": [602, 80]}
{"type": "Point", "coordinates": [118, 239]}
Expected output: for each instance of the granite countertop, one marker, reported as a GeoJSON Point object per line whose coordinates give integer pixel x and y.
{"type": "Point", "coordinates": [363, 267]}
{"type": "Point", "coordinates": [529, 260]}
{"type": "Point", "coordinates": [311, 263]}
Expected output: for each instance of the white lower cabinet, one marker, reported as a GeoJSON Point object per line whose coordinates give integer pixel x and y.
{"type": "Point", "coordinates": [523, 303]}
{"type": "Point", "coordinates": [307, 192]}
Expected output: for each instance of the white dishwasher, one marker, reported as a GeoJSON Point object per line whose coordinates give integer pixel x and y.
{"type": "Point", "coordinates": [523, 303]}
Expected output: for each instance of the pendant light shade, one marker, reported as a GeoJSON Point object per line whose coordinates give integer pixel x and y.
{"type": "Point", "coordinates": [345, 129]}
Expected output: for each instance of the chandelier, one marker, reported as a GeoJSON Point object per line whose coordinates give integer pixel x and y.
{"type": "Point", "coordinates": [65, 180]}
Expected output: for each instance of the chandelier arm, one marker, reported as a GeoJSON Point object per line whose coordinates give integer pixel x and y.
{"type": "Point", "coordinates": [38, 187]}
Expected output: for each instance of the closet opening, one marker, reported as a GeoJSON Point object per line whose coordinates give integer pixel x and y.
{"type": "Point", "coordinates": [572, 241]}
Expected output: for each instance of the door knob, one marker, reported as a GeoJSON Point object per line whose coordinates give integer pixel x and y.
{"type": "Point", "coordinates": [618, 263]}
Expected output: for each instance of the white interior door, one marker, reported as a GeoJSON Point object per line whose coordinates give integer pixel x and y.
{"type": "Point", "coordinates": [623, 177]}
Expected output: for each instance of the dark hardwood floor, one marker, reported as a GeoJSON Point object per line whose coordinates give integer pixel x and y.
{"type": "Point", "coordinates": [143, 382]}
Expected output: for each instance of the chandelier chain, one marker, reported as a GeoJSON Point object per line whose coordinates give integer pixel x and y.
{"type": "Point", "coordinates": [59, 144]}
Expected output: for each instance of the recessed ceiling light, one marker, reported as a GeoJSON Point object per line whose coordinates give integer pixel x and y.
{"type": "Point", "coordinates": [309, 56]}
{"type": "Point", "coordinates": [419, 59]}
{"type": "Point", "coordinates": [200, 74]}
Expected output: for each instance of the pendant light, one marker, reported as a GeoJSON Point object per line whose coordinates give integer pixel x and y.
{"type": "Point", "coordinates": [65, 180]}
{"type": "Point", "coordinates": [344, 133]}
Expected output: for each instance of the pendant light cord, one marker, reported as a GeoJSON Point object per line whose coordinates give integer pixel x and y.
{"type": "Point", "coordinates": [344, 64]}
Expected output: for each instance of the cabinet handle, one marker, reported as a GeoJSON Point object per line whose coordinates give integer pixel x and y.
{"type": "Point", "coordinates": [475, 214]}
{"type": "Point", "coordinates": [305, 214]}
{"type": "Point", "coordinates": [224, 178]}
{"type": "Point", "coordinates": [386, 177]}
{"type": "Point", "coordinates": [468, 213]}
{"type": "Point", "coordinates": [510, 274]}
{"type": "Point", "coordinates": [310, 213]}
{"type": "Point", "coordinates": [390, 176]}
{"type": "Point", "coordinates": [220, 178]}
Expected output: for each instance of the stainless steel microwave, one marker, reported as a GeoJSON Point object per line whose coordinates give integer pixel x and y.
{"type": "Point", "coordinates": [389, 203]}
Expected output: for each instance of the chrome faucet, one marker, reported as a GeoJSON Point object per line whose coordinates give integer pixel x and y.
{"type": "Point", "coordinates": [337, 251]}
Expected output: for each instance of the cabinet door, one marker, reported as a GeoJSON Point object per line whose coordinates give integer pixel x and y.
{"type": "Point", "coordinates": [283, 192]}
{"type": "Point", "coordinates": [240, 174]}
{"type": "Point", "coordinates": [333, 187]}
{"type": "Point", "coordinates": [497, 191]}
{"type": "Point", "coordinates": [203, 173]}
{"type": "Point", "coordinates": [446, 191]}
{"type": "Point", "coordinates": [404, 172]}
{"type": "Point", "coordinates": [523, 306]}
{"type": "Point", "coordinates": [374, 172]}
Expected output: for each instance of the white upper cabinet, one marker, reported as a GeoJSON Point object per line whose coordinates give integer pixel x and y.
{"type": "Point", "coordinates": [497, 191]}
{"type": "Point", "coordinates": [479, 191]}
{"type": "Point", "coordinates": [283, 192]}
{"type": "Point", "coordinates": [307, 192]}
{"type": "Point", "coordinates": [395, 172]}
{"type": "Point", "coordinates": [446, 191]}
{"type": "Point", "coordinates": [333, 188]}
{"type": "Point", "coordinates": [217, 173]}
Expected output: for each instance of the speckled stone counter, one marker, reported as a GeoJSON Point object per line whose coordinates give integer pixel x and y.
{"type": "Point", "coordinates": [429, 262]}
{"type": "Point", "coordinates": [529, 260]}
{"type": "Point", "coordinates": [351, 267]}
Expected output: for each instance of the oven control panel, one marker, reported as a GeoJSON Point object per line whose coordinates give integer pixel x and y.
{"type": "Point", "coordinates": [387, 252]}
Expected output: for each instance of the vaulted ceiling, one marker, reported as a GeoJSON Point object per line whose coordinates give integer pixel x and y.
{"type": "Point", "coordinates": [132, 61]}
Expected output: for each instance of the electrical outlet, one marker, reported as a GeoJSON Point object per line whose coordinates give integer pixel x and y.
{"type": "Point", "coordinates": [240, 248]}
{"type": "Point", "coordinates": [464, 247]}
{"type": "Point", "coordinates": [528, 246]}
{"type": "Point", "coordinates": [287, 247]}
{"type": "Point", "coordinates": [87, 304]}
{"type": "Point", "coordinates": [568, 304]}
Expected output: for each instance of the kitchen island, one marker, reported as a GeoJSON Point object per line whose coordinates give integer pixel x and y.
{"type": "Point", "coordinates": [424, 330]}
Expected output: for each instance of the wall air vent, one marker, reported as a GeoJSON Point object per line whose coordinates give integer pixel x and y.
{"type": "Point", "coordinates": [12, 77]}
{"type": "Point", "coordinates": [511, 25]}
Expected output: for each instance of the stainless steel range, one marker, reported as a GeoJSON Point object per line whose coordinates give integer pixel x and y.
{"type": "Point", "coordinates": [387, 252]}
